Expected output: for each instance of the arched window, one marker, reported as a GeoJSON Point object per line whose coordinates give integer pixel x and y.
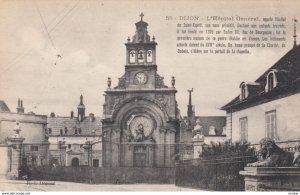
{"type": "Point", "coordinates": [212, 130]}
{"type": "Point", "coordinates": [271, 81]}
{"type": "Point", "coordinates": [244, 91]}
{"type": "Point", "coordinates": [149, 56]}
{"type": "Point", "coordinates": [131, 56]}
{"type": "Point", "coordinates": [140, 56]}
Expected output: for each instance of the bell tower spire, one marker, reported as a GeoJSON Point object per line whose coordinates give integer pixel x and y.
{"type": "Point", "coordinates": [190, 111]}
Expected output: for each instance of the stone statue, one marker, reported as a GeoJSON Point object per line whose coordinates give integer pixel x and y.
{"type": "Point", "coordinates": [273, 156]}
{"type": "Point", "coordinates": [140, 136]}
{"type": "Point", "coordinates": [198, 129]}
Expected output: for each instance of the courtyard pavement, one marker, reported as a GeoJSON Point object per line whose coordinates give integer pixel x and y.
{"type": "Point", "coordinates": [20, 185]}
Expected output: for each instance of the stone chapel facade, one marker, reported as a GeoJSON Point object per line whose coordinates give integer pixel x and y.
{"type": "Point", "coordinates": [140, 123]}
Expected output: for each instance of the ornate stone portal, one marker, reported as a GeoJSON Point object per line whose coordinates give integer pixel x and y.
{"type": "Point", "coordinates": [140, 123]}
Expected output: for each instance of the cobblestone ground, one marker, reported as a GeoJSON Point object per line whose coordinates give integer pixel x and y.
{"type": "Point", "coordinates": [19, 185]}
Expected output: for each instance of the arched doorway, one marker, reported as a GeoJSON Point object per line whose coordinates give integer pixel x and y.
{"type": "Point", "coordinates": [75, 162]}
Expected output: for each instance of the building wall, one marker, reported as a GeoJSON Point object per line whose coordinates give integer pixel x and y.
{"type": "Point", "coordinates": [77, 144]}
{"type": "Point", "coordinates": [32, 126]}
{"type": "Point", "coordinates": [287, 114]}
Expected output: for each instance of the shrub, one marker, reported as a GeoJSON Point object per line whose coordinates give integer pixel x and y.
{"type": "Point", "coordinates": [228, 149]}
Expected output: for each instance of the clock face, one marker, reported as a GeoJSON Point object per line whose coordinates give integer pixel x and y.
{"type": "Point", "coordinates": [139, 123]}
{"type": "Point", "coordinates": [140, 78]}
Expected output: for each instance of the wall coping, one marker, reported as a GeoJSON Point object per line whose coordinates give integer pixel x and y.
{"type": "Point", "coordinates": [271, 171]}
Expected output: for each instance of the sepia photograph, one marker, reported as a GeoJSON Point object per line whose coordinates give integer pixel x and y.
{"type": "Point", "coordinates": [140, 95]}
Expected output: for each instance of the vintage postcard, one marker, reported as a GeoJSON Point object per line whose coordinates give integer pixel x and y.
{"type": "Point", "coordinates": [99, 95]}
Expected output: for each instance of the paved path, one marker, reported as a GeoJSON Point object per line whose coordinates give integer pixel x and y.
{"type": "Point", "coordinates": [19, 185]}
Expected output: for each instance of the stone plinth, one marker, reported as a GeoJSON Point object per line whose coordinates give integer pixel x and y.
{"type": "Point", "coordinates": [271, 178]}
{"type": "Point", "coordinates": [198, 141]}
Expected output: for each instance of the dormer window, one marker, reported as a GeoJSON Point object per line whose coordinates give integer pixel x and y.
{"type": "Point", "coordinates": [271, 81]}
{"type": "Point", "coordinates": [244, 91]}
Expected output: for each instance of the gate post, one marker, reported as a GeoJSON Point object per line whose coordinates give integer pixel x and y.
{"type": "Point", "coordinates": [198, 141]}
{"type": "Point", "coordinates": [15, 141]}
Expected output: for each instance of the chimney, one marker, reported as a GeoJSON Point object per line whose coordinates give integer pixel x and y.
{"type": "Point", "coordinates": [72, 114]}
{"type": "Point", "coordinates": [20, 108]}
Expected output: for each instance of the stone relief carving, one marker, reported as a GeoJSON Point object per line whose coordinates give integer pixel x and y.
{"type": "Point", "coordinates": [117, 100]}
{"type": "Point", "coordinates": [163, 100]}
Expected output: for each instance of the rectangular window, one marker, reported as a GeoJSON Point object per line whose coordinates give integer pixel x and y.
{"type": "Point", "coordinates": [95, 162]}
{"type": "Point", "coordinates": [271, 125]}
{"type": "Point", "coordinates": [244, 128]}
{"type": "Point", "coordinates": [34, 148]}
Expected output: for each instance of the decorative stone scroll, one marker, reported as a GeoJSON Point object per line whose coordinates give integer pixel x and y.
{"type": "Point", "coordinates": [122, 83]}
{"type": "Point", "coordinates": [159, 82]}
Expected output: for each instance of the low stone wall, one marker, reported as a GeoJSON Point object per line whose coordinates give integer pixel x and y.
{"type": "Point", "coordinates": [271, 178]}
{"type": "Point", "coordinates": [115, 175]}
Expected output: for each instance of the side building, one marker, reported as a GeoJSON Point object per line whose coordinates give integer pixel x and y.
{"type": "Point", "coordinates": [34, 144]}
{"type": "Point", "coordinates": [75, 140]}
{"type": "Point", "coordinates": [269, 106]}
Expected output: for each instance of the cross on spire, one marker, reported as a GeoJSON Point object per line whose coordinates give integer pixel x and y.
{"type": "Point", "coordinates": [295, 33]}
{"type": "Point", "coordinates": [142, 15]}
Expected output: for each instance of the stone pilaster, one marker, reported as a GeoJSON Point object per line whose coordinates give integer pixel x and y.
{"type": "Point", "coordinates": [198, 141]}
{"type": "Point", "coordinates": [15, 142]}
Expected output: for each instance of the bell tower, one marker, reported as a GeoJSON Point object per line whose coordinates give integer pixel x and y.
{"type": "Point", "coordinates": [139, 122]}
{"type": "Point", "coordinates": [141, 50]}
{"type": "Point", "coordinates": [140, 68]}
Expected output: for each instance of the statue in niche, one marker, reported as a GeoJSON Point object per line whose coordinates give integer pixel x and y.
{"type": "Point", "coordinates": [140, 136]}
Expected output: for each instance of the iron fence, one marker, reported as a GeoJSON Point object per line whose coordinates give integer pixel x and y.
{"type": "Point", "coordinates": [217, 173]}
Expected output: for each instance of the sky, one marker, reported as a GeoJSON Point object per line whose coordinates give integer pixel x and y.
{"type": "Point", "coordinates": [90, 35]}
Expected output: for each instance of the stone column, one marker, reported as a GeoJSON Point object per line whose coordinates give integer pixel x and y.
{"type": "Point", "coordinates": [15, 142]}
{"type": "Point", "coordinates": [198, 141]}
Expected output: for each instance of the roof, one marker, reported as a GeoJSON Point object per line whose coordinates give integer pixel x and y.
{"type": "Point", "coordinates": [3, 107]}
{"type": "Point", "coordinates": [287, 70]}
{"type": "Point", "coordinates": [207, 121]}
{"type": "Point", "coordinates": [88, 126]}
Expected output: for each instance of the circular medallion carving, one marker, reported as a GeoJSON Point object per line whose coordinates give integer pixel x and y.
{"type": "Point", "coordinates": [141, 126]}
